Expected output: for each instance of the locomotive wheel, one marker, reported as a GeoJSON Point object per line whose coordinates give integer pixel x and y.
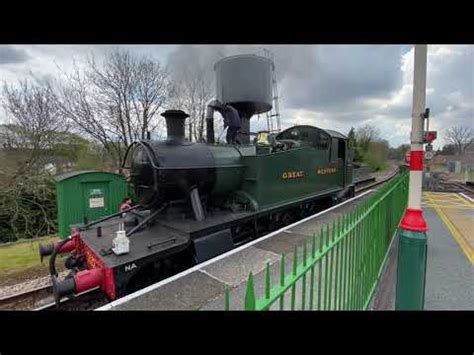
{"type": "Point", "coordinates": [306, 210]}
{"type": "Point", "coordinates": [286, 219]}
{"type": "Point", "coordinates": [243, 232]}
{"type": "Point", "coordinates": [276, 221]}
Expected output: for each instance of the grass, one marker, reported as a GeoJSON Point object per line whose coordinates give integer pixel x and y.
{"type": "Point", "coordinates": [21, 261]}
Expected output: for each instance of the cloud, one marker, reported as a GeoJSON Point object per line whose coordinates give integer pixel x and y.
{"type": "Point", "coordinates": [49, 60]}
{"type": "Point", "coordinates": [340, 83]}
{"type": "Point", "coordinates": [331, 86]}
{"type": "Point", "coordinates": [12, 55]}
{"type": "Point", "coordinates": [387, 104]}
{"type": "Point", "coordinates": [449, 86]}
{"type": "Point", "coordinates": [338, 77]}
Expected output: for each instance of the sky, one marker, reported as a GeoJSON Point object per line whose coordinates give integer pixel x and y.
{"type": "Point", "coordinates": [329, 86]}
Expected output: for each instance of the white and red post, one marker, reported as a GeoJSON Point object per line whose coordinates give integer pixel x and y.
{"type": "Point", "coordinates": [412, 250]}
{"type": "Point", "coordinates": [413, 219]}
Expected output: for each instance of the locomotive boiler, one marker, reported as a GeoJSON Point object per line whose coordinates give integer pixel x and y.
{"type": "Point", "coordinates": [196, 200]}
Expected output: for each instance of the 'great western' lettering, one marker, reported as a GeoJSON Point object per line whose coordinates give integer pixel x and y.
{"type": "Point", "coordinates": [323, 171]}
{"type": "Point", "coordinates": [292, 175]}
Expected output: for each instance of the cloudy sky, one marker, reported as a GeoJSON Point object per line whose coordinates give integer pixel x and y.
{"type": "Point", "coordinates": [330, 86]}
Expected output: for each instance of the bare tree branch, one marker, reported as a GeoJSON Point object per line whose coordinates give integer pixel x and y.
{"type": "Point", "coordinates": [460, 137]}
{"type": "Point", "coordinates": [365, 135]}
{"type": "Point", "coordinates": [35, 127]}
{"type": "Point", "coordinates": [36, 123]}
{"type": "Point", "coordinates": [116, 102]}
{"type": "Point", "coordinates": [192, 93]}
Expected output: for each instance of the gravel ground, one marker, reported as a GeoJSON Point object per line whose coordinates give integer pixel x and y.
{"type": "Point", "coordinates": [391, 166]}
{"type": "Point", "coordinates": [29, 285]}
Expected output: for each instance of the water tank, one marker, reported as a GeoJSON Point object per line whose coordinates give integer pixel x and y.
{"type": "Point", "coordinates": [245, 82]}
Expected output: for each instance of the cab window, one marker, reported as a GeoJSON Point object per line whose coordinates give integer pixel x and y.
{"type": "Point", "coordinates": [307, 136]}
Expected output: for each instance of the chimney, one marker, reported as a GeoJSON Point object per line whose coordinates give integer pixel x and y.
{"type": "Point", "coordinates": [175, 124]}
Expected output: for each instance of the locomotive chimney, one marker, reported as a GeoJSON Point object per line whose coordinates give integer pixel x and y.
{"type": "Point", "coordinates": [175, 124]}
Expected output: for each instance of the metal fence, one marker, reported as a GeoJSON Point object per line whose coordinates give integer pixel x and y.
{"type": "Point", "coordinates": [339, 267]}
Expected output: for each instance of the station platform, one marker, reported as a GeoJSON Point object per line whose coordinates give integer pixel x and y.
{"type": "Point", "coordinates": [202, 287]}
{"type": "Point", "coordinates": [450, 263]}
{"type": "Point", "coordinates": [449, 279]}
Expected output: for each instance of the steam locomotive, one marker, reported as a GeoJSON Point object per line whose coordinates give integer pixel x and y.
{"type": "Point", "coordinates": [198, 200]}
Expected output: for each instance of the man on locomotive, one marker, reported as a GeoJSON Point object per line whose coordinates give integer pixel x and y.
{"type": "Point", "coordinates": [125, 204]}
{"type": "Point", "coordinates": [231, 120]}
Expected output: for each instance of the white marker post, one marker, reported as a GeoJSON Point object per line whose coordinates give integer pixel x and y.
{"type": "Point", "coordinates": [412, 250]}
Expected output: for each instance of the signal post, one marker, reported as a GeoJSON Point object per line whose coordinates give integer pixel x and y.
{"type": "Point", "coordinates": [412, 247]}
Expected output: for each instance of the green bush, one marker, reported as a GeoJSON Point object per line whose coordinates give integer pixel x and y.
{"type": "Point", "coordinates": [376, 156]}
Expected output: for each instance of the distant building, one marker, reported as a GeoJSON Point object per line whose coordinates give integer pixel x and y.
{"type": "Point", "coordinates": [441, 162]}
{"type": "Point", "coordinates": [58, 165]}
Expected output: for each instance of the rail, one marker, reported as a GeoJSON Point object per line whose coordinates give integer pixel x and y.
{"type": "Point", "coordinates": [40, 298]}
{"type": "Point", "coordinates": [374, 182]}
{"type": "Point", "coordinates": [85, 301]}
{"type": "Point", "coordinates": [339, 268]}
{"type": "Point", "coordinates": [25, 299]}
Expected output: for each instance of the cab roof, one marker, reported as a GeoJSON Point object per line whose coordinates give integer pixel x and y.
{"type": "Point", "coordinates": [330, 132]}
{"type": "Point", "coordinates": [335, 134]}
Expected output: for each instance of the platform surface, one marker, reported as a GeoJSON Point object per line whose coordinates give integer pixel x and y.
{"type": "Point", "coordinates": [449, 279]}
{"type": "Point", "coordinates": [450, 263]}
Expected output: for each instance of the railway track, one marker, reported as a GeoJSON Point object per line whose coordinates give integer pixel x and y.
{"type": "Point", "coordinates": [456, 186]}
{"type": "Point", "coordinates": [366, 184]}
{"type": "Point", "coordinates": [26, 300]}
{"type": "Point", "coordinates": [41, 298]}
{"type": "Point", "coordinates": [440, 182]}
{"type": "Point", "coordinates": [86, 301]}
{"type": "Point", "coordinates": [364, 181]}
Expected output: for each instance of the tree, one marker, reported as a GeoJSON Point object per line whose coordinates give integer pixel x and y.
{"type": "Point", "coordinates": [191, 93]}
{"type": "Point", "coordinates": [448, 149]}
{"type": "Point", "coordinates": [369, 147]}
{"type": "Point", "coordinates": [365, 135]}
{"type": "Point", "coordinates": [78, 152]}
{"type": "Point", "coordinates": [35, 126]}
{"type": "Point", "coordinates": [35, 122]}
{"type": "Point", "coordinates": [460, 137]}
{"type": "Point", "coordinates": [116, 102]}
{"type": "Point", "coordinates": [353, 145]}
{"type": "Point", "coordinates": [351, 136]}
{"type": "Point", "coordinates": [376, 156]}
{"type": "Point", "coordinates": [27, 205]}
{"type": "Point", "coordinates": [399, 152]}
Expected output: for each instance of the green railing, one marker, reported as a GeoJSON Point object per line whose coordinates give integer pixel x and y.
{"type": "Point", "coordinates": [338, 268]}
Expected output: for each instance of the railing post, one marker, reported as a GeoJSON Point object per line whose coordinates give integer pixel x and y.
{"type": "Point", "coordinates": [354, 247]}
{"type": "Point", "coordinates": [250, 301]}
{"type": "Point", "coordinates": [226, 299]}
